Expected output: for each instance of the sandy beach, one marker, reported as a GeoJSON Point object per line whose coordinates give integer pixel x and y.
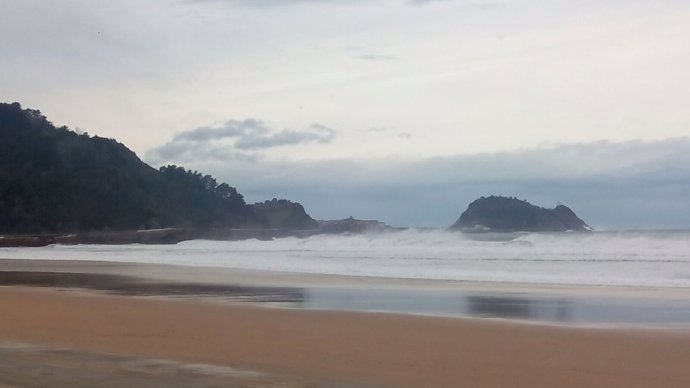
{"type": "Point", "coordinates": [358, 349]}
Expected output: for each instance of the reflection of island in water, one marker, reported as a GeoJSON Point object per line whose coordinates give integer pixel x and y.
{"type": "Point", "coordinates": [444, 303]}
{"type": "Point", "coordinates": [518, 308]}
{"type": "Point", "coordinates": [450, 303]}
{"type": "Point", "coordinates": [578, 310]}
{"type": "Point", "coordinates": [502, 307]}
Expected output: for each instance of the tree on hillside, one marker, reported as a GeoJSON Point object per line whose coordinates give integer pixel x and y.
{"type": "Point", "coordinates": [55, 180]}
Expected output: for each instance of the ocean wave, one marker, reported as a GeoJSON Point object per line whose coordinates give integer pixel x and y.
{"type": "Point", "coordinates": [656, 258]}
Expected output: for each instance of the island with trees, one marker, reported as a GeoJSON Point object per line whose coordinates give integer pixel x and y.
{"type": "Point", "coordinates": [509, 214]}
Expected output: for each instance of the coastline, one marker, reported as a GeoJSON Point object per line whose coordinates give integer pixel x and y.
{"type": "Point", "coordinates": [350, 347]}
{"type": "Point", "coordinates": [126, 314]}
{"type": "Point", "coordinates": [545, 304]}
{"type": "Point", "coordinates": [248, 277]}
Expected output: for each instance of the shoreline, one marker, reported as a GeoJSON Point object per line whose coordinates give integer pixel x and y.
{"type": "Point", "coordinates": [567, 306]}
{"type": "Point", "coordinates": [249, 277]}
{"type": "Point", "coordinates": [357, 348]}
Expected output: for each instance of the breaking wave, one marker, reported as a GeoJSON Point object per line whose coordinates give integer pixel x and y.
{"type": "Point", "coordinates": [652, 258]}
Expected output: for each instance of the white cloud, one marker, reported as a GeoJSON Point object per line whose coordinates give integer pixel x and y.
{"type": "Point", "coordinates": [423, 2]}
{"type": "Point", "coordinates": [464, 78]}
{"type": "Point", "coordinates": [272, 3]}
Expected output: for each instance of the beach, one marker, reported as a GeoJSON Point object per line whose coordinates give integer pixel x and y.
{"type": "Point", "coordinates": [283, 346]}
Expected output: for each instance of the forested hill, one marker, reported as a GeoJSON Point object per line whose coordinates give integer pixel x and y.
{"type": "Point", "coordinates": [55, 180]}
{"type": "Point", "coordinates": [504, 214]}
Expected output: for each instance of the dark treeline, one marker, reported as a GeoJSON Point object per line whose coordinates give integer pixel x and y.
{"type": "Point", "coordinates": [53, 180]}
{"type": "Point", "coordinates": [281, 213]}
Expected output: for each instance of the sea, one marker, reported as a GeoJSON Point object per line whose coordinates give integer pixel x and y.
{"type": "Point", "coordinates": [639, 278]}
{"type": "Point", "coordinates": [601, 258]}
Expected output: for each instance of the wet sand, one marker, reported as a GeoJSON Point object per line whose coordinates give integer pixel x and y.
{"type": "Point", "coordinates": [345, 347]}
{"type": "Point", "coordinates": [545, 304]}
{"type": "Point", "coordinates": [147, 325]}
{"type": "Point", "coordinates": [250, 278]}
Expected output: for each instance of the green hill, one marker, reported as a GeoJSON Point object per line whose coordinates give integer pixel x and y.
{"type": "Point", "coordinates": [53, 180]}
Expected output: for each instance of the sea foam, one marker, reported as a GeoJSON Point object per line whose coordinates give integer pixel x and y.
{"type": "Point", "coordinates": [657, 258]}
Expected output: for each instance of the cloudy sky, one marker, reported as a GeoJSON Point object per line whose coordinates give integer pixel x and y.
{"type": "Point", "coordinates": [402, 110]}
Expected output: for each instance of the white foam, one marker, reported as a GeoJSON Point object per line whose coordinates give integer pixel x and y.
{"type": "Point", "coordinates": [659, 259]}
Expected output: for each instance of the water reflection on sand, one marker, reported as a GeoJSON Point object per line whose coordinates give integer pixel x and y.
{"type": "Point", "coordinates": [577, 310]}
{"type": "Point", "coordinates": [537, 307]}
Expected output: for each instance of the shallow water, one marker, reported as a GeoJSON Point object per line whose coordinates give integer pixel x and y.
{"type": "Point", "coordinates": [577, 310]}
{"type": "Point", "coordinates": [567, 310]}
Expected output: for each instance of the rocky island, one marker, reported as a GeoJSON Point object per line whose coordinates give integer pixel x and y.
{"type": "Point", "coordinates": [353, 225]}
{"type": "Point", "coordinates": [506, 214]}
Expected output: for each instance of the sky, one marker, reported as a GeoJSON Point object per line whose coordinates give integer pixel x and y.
{"type": "Point", "coordinates": [399, 110]}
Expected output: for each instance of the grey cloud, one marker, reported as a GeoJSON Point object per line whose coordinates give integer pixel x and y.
{"type": "Point", "coordinates": [233, 140]}
{"type": "Point", "coordinates": [634, 184]}
{"type": "Point", "coordinates": [231, 128]}
{"type": "Point", "coordinates": [196, 152]}
{"type": "Point", "coordinates": [316, 133]}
